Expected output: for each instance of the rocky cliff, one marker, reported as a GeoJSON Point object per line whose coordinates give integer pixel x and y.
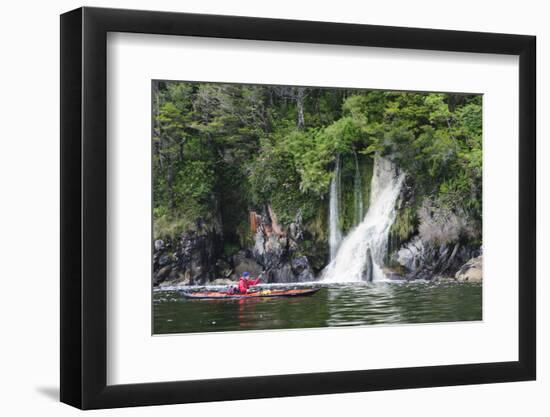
{"type": "Point", "coordinates": [276, 249]}
{"type": "Point", "coordinates": [429, 240]}
{"type": "Point", "coordinates": [197, 258]}
{"type": "Point", "coordinates": [189, 259]}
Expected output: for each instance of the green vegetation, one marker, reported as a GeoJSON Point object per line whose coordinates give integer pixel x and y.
{"type": "Point", "coordinates": [221, 150]}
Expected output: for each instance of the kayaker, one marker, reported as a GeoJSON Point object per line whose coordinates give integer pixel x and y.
{"type": "Point", "coordinates": [245, 282]}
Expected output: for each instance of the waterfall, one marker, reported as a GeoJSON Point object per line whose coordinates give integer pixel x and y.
{"type": "Point", "coordinates": [357, 193]}
{"type": "Point", "coordinates": [335, 234]}
{"type": "Point", "coordinates": [360, 256]}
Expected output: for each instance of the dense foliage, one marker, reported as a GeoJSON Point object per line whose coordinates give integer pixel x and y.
{"type": "Point", "coordinates": [220, 150]}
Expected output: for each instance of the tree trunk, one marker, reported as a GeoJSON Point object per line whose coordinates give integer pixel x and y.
{"type": "Point", "coordinates": [300, 106]}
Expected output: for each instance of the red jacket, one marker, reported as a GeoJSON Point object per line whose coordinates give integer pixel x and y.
{"type": "Point", "coordinates": [245, 283]}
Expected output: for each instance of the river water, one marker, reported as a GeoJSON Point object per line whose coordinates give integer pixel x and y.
{"type": "Point", "coordinates": [334, 305]}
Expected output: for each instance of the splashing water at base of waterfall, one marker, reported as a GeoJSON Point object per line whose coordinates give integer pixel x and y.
{"type": "Point", "coordinates": [360, 255]}
{"type": "Point", "coordinates": [335, 234]}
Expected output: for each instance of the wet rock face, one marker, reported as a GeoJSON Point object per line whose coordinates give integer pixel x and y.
{"type": "Point", "coordinates": [430, 240]}
{"type": "Point", "coordinates": [301, 269]}
{"type": "Point", "coordinates": [189, 260]}
{"type": "Point", "coordinates": [411, 255]}
{"type": "Point", "coordinates": [223, 268]}
{"type": "Point", "coordinates": [422, 260]}
{"type": "Point", "coordinates": [275, 249]}
{"type": "Point", "coordinates": [196, 258]}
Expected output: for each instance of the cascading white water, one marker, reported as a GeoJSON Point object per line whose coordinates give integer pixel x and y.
{"type": "Point", "coordinates": [335, 234]}
{"type": "Point", "coordinates": [357, 193]}
{"type": "Point", "coordinates": [360, 256]}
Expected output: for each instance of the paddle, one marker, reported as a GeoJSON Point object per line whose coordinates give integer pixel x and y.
{"type": "Point", "coordinates": [259, 277]}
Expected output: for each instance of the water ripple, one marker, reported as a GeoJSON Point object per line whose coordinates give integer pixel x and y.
{"type": "Point", "coordinates": [334, 305]}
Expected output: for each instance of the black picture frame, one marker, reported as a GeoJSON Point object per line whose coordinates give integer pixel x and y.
{"type": "Point", "coordinates": [84, 207]}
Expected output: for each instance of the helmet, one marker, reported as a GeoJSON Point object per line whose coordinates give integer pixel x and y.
{"type": "Point", "coordinates": [246, 274]}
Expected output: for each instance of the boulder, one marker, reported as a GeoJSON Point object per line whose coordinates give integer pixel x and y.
{"type": "Point", "coordinates": [159, 244]}
{"type": "Point", "coordinates": [471, 271]}
{"type": "Point", "coordinates": [244, 264]}
{"type": "Point", "coordinates": [411, 254]}
{"type": "Point", "coordinates": [161, 275]}
{"type": "Point", "coordinates": [282, 274]}
{"type": "Point", "coordinates": [301, 269]}
{"type": "Point", "coordinates": [422, 260]}
{"type": "Point", "coordinates": [368, 272]}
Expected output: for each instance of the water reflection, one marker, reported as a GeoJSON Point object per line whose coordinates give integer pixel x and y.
{"type": "Point", "coordinates": [333, 305]}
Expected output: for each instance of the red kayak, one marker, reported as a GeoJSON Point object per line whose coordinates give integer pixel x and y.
{"type": "Point", "coordinates": [210, 295]}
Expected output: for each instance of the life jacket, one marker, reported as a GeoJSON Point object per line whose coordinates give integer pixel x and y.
{"type": "Point", "coordinates": [245, 283]}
